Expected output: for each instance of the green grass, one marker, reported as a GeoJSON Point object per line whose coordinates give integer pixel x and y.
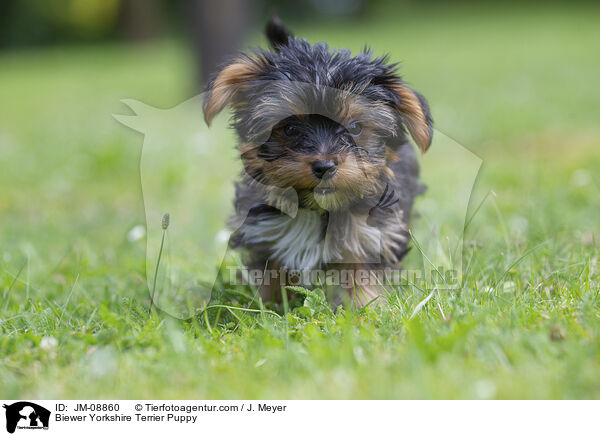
{"type": "Point", "coordinates": [516, 86]}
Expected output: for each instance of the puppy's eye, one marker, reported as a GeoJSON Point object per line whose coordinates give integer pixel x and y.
{"type": "Point", "coordinates": [291, 131]}
{"type": "Point", "coordinates": [354, 128]}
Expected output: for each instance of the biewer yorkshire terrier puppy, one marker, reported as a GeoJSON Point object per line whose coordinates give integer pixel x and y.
{"type": "Point", "coordinates": [330, 174]}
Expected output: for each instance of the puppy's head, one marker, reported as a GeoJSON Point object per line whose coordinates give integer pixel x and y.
{"type": "Point", "coordinates": [320, 121]}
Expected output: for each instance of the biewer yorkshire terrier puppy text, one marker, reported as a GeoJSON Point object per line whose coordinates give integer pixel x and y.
{"type": "Point", "coordinates": [330, 174]}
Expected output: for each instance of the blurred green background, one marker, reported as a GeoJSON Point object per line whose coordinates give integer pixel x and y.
{"type": "Point", "coordinates": [516, 83]}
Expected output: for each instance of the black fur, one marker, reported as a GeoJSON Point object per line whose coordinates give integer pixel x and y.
{"type": "Point", "coordinates": [307, 103]}
{"type": "Point", "coordinates": [277, 34]}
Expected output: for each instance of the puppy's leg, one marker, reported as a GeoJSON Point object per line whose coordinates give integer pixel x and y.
{"type": "Point", "coordinates": [367, 287]}
{"type": "Point", "coordinates": [357, 285]}
{"type": "Point", "coordinates": [263, 276]}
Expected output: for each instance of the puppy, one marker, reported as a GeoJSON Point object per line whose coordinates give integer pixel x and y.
{"type": "Point", "coordinates": [330, 175]}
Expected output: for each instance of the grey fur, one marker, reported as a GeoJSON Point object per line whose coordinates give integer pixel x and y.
{"type": "Point", "coordinates": [279, 224]}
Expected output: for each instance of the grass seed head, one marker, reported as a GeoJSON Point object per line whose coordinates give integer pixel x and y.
{"type": "Point", "coordinates": [166, 218]}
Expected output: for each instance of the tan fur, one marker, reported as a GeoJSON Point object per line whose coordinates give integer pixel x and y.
{"type": "Point", "coordinates": [227, 83]}
{"type": "Point", "coordinates": [351, 242]}
{"type": "Point", "coordinates": [296, 172]}
{"type": "Point", "coordinates": [414, 117]}
{"type": "Point", "coordinates": [391, 155]}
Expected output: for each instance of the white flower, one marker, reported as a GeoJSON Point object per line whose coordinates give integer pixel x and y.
{"type": "Point", "coordinates": [222, 237]}
{"type": "Point", "coordinates": [485, 389]}
{"type": "Point", "coordinates": [581, 178]}
{"type": "Point", "coordinates": [48, 342]}
{"type": "Point", "coordinates": [136, 233]}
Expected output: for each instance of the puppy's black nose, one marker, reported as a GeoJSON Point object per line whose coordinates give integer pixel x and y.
{"type": "Point", "coordinates": [324, 168]}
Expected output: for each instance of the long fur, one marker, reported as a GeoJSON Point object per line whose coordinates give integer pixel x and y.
{"type": "Point", "coordinates": [298, 104]}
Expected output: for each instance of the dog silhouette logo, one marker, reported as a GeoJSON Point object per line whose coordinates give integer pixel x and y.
{"type": "Point", "coordinates": [26, 415]}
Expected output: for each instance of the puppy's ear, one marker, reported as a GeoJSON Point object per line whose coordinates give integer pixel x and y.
{"type": "Point", "coordinates": [221, 91]}
{"type": "Point", "coordinates": [277, 34]}
{"type": "Point", "coordinates": [413, 110]}
{"type": "Point", "coordinates": [415, 113]}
